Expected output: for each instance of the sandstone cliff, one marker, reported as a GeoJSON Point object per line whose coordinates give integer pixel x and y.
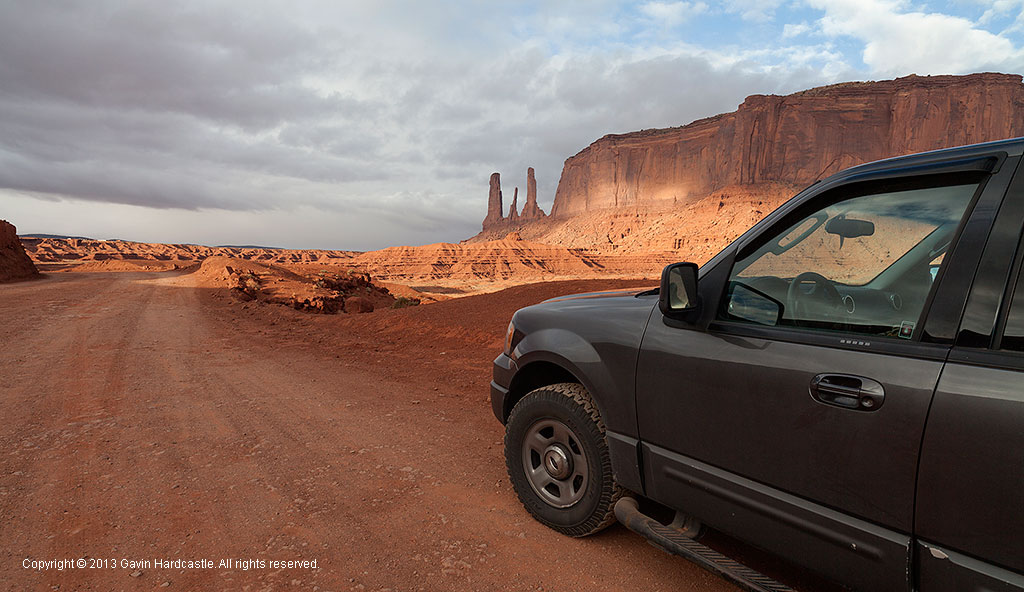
{"type": "Point", "coordinates": [14, 262]}
{"type": "Point", "coordinates": [793, 139]}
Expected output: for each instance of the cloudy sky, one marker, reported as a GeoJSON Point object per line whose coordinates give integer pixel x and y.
{"type": "Point", "coordinates": [359, 125]}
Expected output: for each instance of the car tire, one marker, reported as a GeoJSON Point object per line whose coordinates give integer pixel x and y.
{"type": "Point", "coordinates": [558, 461]}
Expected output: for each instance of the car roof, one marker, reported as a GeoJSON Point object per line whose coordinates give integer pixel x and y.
{"type": "Point", "coordinates": [1012, 147]}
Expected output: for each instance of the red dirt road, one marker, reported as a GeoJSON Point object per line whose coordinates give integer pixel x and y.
{"type": "Point", "coordinates": [147, 420]}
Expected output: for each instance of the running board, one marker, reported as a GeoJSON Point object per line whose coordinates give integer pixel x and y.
{"type": "Point", "coordinates": [674, 541]}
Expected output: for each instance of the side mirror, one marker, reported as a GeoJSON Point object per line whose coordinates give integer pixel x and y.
{"type": "Point", "coordinates": [678, 291]}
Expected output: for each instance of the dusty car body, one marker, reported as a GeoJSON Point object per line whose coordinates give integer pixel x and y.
{"type": "Point", "coordinates": [843, 386]}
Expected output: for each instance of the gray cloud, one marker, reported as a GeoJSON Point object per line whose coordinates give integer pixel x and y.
{"type": "Point", "coordinates": [384, 117]}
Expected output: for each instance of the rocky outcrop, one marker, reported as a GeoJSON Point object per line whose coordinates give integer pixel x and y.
{"type": "Point", "coordinates": [495, 213]}
{"type": "Point", "coordinates": [794, 139]}
{"type": "Point", "coordinates": [14, 262]}
{"type": "Point", "coordinates": [496, 221]}
{"type": "Point", "coordinates": [326, 292]}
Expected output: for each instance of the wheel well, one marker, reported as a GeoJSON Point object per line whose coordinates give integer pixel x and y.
{"type": "Point", "coordinates": [533, 376]}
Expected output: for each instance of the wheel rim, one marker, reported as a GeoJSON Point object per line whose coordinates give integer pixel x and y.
{"type": "Point", "coordinates": [554, 463]}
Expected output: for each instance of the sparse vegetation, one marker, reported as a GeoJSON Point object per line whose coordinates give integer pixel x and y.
{"type": "Point", "coordinates": [249, 281]}
{"type": "Point", "coordinates": [403, 302]}
{"type": "Point", "coordinates": [247, 285]}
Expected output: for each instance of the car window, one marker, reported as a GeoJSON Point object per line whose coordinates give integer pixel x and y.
{"type": "Point", "coordinates": [863, 265]}
{"type": "Point", "coordinates": [1013, 334]}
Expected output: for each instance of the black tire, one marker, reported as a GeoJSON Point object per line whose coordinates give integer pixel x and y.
{"type": "Point", "coordinates": [588, 506]}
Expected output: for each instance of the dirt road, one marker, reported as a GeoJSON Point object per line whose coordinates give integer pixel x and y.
{"type": "Point", "coordinates": [144, 420]}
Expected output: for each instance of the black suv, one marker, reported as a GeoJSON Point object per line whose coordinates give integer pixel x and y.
{"type": "Point", "coordinates": [843, 386]}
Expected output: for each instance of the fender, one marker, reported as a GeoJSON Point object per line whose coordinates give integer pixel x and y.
{"type": "Point", "coordinates": [613, 396]}
{"type": "Point", "coordinates": [612, 393]}
{"type": "Point", "coordinates": [593, 339]}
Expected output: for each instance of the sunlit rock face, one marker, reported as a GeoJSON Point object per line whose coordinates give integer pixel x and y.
{"type": "Point", "coordinates": [793, 139]}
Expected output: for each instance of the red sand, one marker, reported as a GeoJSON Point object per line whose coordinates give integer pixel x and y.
{"type": "Point", "coordinates": [147, 418]}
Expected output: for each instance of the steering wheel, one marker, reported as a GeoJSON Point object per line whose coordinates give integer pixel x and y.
{"type": "Point", "coordinates": [819, 304]}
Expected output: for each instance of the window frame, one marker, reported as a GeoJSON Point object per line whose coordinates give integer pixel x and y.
{"type": "Point", "coordinates": [943, 310]}
{"type": "Point", "coordinates": [845, 192]}
{"type": "Point", "coordinates": [973, 334]}
{"type": "Point", "coordinates": [1014, 284]}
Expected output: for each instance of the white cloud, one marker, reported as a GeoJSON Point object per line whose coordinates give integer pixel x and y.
{"type": "Point", "coordinates": [753, 10]}
{"type": "Point", "coordinates": [1000, 8]}
{"type": "Point", "coordinates": [790, 30]}
{"type": "Point", "coordinates": [899, 42]}
{"type": "Point", "coordinates": [671, 14]}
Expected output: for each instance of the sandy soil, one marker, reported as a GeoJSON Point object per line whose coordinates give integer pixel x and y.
{"type": "Point", "coordinates": [145, 419]}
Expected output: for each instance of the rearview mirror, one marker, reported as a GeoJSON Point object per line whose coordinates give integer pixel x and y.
{"type": "Point", "coordinates": [849, 227]}
{"type": "Point", "coordinates": [678, 291]}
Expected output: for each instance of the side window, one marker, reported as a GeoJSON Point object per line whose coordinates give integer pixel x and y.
{"type": "Point", "coordinates": [1013, 334]}
{"type": "Point", "coordinates": [862, 265]}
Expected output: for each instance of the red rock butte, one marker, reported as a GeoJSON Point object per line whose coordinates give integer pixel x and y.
{"type": "Point", "coordinates": [794, 139]}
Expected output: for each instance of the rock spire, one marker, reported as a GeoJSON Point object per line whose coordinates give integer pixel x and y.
{"type": "Point", "coordinates": [513, 212]}
{"type": "Point", "coordinates": [531, 210]}
{"type": "Point", "coordinates": [494, 207]}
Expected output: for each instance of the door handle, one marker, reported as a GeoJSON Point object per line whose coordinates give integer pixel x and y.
{"type": "Point", "coordinates": [848, 391]}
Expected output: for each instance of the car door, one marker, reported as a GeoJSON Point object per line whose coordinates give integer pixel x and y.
{"type": "Point", "coordinates": [795, 420]}
{"type": "Point", "coordinates": [970, 493]}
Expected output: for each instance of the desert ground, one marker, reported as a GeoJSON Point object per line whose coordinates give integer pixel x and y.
{"type": "Point", "coordinates": [148, 417]}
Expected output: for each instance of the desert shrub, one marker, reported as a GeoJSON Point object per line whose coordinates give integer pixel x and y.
{"type": "Point", "coordinates": [249, 282]}
{"type": "Point", "coordinates": [403, 302]}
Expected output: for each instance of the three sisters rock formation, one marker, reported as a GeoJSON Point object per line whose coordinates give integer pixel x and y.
{"type": "Point", "coordinates": [495, 209]}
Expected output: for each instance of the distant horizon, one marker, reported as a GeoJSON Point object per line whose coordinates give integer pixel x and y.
{"type": "Point", "coordinates": [46, 235]}
{"type": "Point", "coordinates": [65, 236]}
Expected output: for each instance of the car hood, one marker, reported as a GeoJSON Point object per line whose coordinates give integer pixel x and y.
{"type": "Point", "coordinates": [605, 294]}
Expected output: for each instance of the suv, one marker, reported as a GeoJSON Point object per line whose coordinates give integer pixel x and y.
{"type": "Point", "coordinates": [843, 386]}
